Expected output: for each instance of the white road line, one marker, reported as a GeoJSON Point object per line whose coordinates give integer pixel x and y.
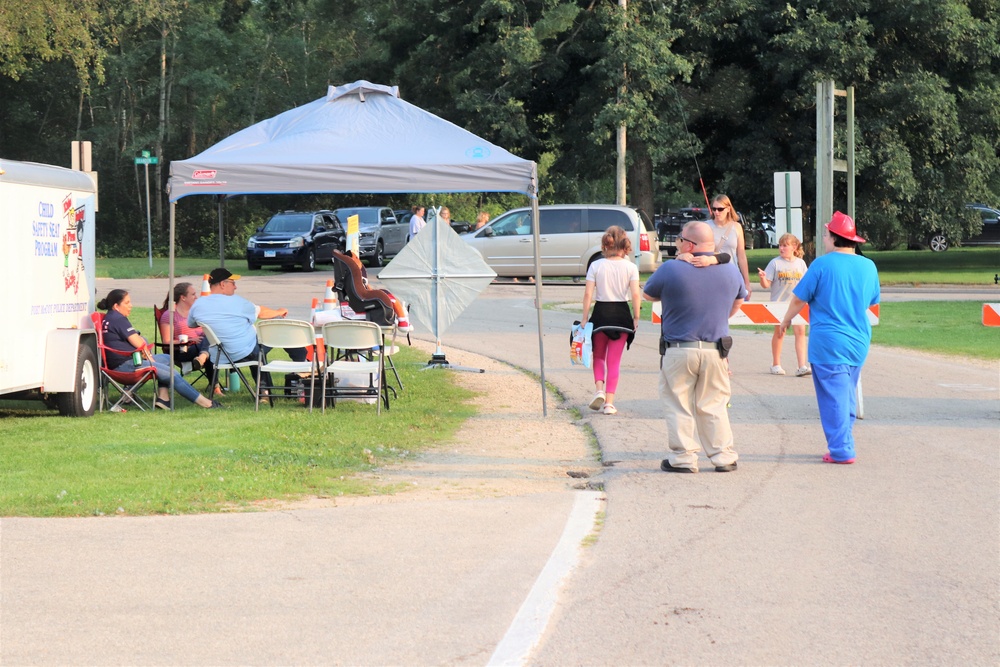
{"type": "Point", "coordinates": [528, 625]}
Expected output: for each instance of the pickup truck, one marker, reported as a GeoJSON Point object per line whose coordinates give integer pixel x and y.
{"type": "Point", "coordinates": [670, 224]}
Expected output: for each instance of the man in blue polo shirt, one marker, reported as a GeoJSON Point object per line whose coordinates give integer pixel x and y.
{"type": "Point", "coordinates": [694, 381]}
{"type": "Point", "coordinates": [232, 318]}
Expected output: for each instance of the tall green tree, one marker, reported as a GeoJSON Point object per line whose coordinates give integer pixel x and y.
{"type": "Point", "coordinates": [51, 30]}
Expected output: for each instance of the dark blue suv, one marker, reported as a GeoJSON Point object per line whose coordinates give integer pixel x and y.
{"type": "Point", "coordinates": [291, 238]}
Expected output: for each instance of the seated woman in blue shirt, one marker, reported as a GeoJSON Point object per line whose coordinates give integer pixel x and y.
{"type": "Point", "coordinates": [123, 340]}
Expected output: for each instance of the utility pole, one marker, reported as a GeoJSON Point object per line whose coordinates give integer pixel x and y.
{"type": "Point", "coordinates": [826, 163]}
{"type": "Point", "coordinates": [622, 90]}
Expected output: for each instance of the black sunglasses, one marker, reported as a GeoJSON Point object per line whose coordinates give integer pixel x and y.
{"type": "Point", "coordinates": [684, 240]}
{"type": "Point", "coordinates": [714, 208]}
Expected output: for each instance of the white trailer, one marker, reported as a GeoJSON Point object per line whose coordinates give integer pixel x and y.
{"type": "Point", "coordinates": [48, 348]}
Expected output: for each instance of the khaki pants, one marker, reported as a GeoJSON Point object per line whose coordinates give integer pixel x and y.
{"type": "Point", "coordinates": [694, 388]}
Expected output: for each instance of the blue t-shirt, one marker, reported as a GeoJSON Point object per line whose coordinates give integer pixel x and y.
{"type": "Point", "coordinates": [696, 302]}
{"type": "Point", "coordinates": [839, 288]}
{"type": "Point", "coordinates": [117, 330]}
{"type": "Point", "coordinates": [231, 318]}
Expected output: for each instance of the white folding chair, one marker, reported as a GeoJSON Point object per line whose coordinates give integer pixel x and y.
{"type": "Point", "coordinates": [222, 361]}
{"type": "Point", "coordinates": [354, 347]}
{"type": "Point", "coordinates": [285, 333]}
{"type": "Point", "coordinates": [388, 349]}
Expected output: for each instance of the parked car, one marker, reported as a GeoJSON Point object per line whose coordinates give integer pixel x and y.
{"type": "Point", "coordinates": [381, 233]}
{"type": "Point", "coordinates": [292, 237]}
{"type": "Point", "coordinates": [404, 215]}
{"type": "Point", "coordinates": [670, 224]}
{"type": "Point", "coordinates": [989, 235]}
{"type": "Point", "coordinates": [760, 233]}
{"type": "Point", "coordinates": [570, 236]}
{"type": "Point", "coordinates": [459, 226]}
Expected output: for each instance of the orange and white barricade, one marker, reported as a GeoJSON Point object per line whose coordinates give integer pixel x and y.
{"type": "Point", "coordinates": [772, 312]}
{"type": "Point", "coordinates": [991, 314]}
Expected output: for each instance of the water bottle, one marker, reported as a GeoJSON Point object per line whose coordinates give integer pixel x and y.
{"type": "Point", "coordinates": [234, 381]}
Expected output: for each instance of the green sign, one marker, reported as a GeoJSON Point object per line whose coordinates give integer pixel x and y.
{"type": "Point", "coordinates": [147, 160]}
{"type": "Point", "coordinates": [145, 153]}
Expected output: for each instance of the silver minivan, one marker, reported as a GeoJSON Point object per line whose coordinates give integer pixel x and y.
{"type": "Point", "coordinates": [569, 236]}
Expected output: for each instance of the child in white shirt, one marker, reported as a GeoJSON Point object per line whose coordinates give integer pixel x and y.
{"type": "Point", "coordinates": [782, 275]}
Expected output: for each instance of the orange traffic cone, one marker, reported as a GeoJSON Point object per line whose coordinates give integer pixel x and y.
{"type": "Point", "coordinates": [329, 302]}
{"type": "Point", "coordinates": [205, 288]}
{"type": "Point", "coordinates": [312, 310]}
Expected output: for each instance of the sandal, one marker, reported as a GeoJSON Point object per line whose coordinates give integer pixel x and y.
{"type": "Point", "coordinates": [829, 459]}
{"type": "Point", "coordinates": [597, 402]}
{"type": "Point", "coordinates": [610, 409]}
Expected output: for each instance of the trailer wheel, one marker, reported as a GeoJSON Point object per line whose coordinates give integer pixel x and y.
{"type": "Point", "coordinates": [82, 401]}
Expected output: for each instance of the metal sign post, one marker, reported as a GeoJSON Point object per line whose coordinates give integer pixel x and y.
{"type": "Point", "coordinates": [146, 160]}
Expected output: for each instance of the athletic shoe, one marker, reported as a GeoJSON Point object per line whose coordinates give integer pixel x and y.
{"type": "Point", "coordinates": [829, 459]}
{"type": "Point", "coordinates": [162, 404]}
{"type": "Point", "coordinates": [610, 409]}
{"type": "Point", "coordinates": [729, 467]}
{"type": "Point", "coordinates": [666, 467]}
{"type": "Point", "coordinates": [803, 371]}
{"type": "Point", "coordinates": [777, 370]}
{"type": "Point", "coordinates": [597, 402]}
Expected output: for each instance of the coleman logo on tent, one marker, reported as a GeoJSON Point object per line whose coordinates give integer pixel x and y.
{"type": "Point", "coordinates": [202, 174]}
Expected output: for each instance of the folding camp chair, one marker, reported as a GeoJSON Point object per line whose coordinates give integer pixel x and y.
{"type": "Point", "coordinates": [354, 347]}
{"type": "Point", "coordinates": [284, 333]}
{"type": "Point", "coordinates": [126, 383]}
{"type": "Point", "coordinates": [186, 367]}
{"type": "Point", "coordinates": [223, 361]}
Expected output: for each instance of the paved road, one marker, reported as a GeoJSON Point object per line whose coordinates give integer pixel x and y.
{"type": "Point", "coordinates": [787, 561]}
{"type": "Point", "coordinates": [895, 560]}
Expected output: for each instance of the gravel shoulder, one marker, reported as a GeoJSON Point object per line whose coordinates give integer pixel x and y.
{"type": "Point", "coordinates": [506, 449]}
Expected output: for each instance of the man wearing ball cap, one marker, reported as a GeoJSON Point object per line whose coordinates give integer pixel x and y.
{"type": "Point", "coordinates": [839, 287]}
{"type": "Point", "coordinates": [232, 318]}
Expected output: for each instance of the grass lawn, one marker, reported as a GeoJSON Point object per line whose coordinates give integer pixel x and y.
{"type": "Point", "coordinates": [957, 266]}
{"type": "Point", "coordinates": [944, 327]}
{"type": "Point", "coordinates": [138, 267]}
{"type": "Point", "coordinates": [196, 460]}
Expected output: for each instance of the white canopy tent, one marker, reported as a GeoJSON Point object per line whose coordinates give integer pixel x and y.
{"type": "Point", "coordinates": [360, 138]}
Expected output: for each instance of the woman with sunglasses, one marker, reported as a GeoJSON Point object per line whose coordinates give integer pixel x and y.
{"type": "Point", "coordinates": [729, 237]}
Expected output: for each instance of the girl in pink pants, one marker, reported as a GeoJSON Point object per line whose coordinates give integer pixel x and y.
{"type": "Point", "coordinates": [612, 283]}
